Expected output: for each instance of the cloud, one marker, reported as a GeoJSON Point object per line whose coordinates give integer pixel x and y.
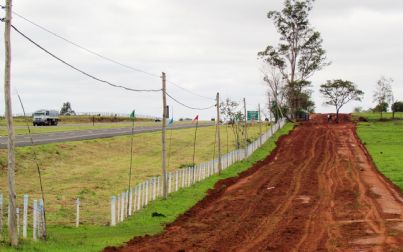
{"type": "Point", "coordinates": [206, 46]}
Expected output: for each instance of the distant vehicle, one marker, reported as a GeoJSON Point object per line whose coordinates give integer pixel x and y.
{"type": "Point", "coordinates": [45, 117]}
{"type": "Point", "coordinates": [157, 120]}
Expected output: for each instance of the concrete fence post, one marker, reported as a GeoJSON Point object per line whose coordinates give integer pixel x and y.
{"type": "Point", "coordinates": [138, 196]}
{"type": "Point", "coordinates": [147, 187]}
{"type": "Point", "coordinates": [122, 207]}
{"type": "Point", "coordinates": [130, 201]}
{"type": "Point", "coordinates": [78, 212]}
{"type": "Point", "coordinates": [34, 220]}
{"type": "Point", "coordinates": [113, 211]}
{"type": "Point", "coordinates": [169, 182]}
{"type": "Point", "coordinates": [176, 180]}
{"type": "Point", "coordinates": [17, 211]}
{"type": "Point", "coordinates": [1, 215]}
{"type": "Point", "coordinates": [25, 217]}
{"type": "Point", "coordinates": [134, 199]}
{"type": "Point", "coordinates": [118, 213]}
{"type": "Point", "coordinates": [153, 188]}
{"type": "Point", "coordinates": [41, 219]}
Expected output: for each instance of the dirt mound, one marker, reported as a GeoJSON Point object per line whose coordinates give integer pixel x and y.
{"type": "Point", "coordinates": [319, 191]}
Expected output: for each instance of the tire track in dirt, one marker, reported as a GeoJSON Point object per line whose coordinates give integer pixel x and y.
{"type": "Point", "coordinates": [318, 191]}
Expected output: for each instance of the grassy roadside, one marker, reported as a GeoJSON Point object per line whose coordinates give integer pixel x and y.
{"type": "Point", "coordinates": [94, 238]}
{"type": "Point", "coordinates": [23, 130]}
{"type": "Point", "coordinates": [384, 141]}
{"type": "Point", "coordinates": [96, 169]}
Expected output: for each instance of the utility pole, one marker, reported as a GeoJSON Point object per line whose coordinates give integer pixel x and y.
{"type": "Point", "coordinates": [246, 127]}
{"type": "Point", "coordinates": [218, 133]}
{"type": "Point", "coordinates": [164, 116]}
{"type": "Point", "coordinates": [12, 228]}
{"type": "Point", "coordinates": [260, 127]}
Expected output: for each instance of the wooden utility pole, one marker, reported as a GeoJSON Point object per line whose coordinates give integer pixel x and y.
{"type": "Point", "coordinates": [246, 125]}
{"type": "Point", "coordinates": [12, 228]}
{"type": "Point", "coordinates": [260, 127]}
{"type": "Point", "coordinates": [218, 133]}
{"type": "Point", "coordinates": [164, 116]}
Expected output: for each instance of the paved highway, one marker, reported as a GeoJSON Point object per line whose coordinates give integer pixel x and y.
{"type": "Point", "coordinates": [55, 137]}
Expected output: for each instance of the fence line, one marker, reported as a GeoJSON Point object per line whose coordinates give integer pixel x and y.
{"type": "Point", "coordinates": [126, 203]}
{"type": "Point", "coordinates": [185, 177]}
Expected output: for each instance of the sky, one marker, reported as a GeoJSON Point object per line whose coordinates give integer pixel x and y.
{"type": "Point", "coordinates": [203, 46]}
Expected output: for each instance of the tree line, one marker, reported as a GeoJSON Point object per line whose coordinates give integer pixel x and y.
{"type": "Point", "coordinates": [288, 66]}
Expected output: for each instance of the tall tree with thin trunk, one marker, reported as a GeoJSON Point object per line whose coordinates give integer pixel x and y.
{"type": "Point", "coordinates": [12, 228]}
{"type": "Point", "coordinates": [299, 54]}
{"type": "Point", "coordinates": [339, 92]}
{"type": "Point", "coordinates": [383, 93]}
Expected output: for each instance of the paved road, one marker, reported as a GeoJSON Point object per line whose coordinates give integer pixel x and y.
{"type": "Point", "coordinates": [25, 140]}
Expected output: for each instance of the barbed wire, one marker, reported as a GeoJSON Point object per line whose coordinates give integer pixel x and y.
{"type": "Point", "coordinates": [189, 107]}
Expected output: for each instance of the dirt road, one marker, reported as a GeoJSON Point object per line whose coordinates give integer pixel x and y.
{"type": "Point", "coordinates": [319, 191]}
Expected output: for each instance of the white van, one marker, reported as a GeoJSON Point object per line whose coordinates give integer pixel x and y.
{"type": "Point", "coordinates": [45, 117]}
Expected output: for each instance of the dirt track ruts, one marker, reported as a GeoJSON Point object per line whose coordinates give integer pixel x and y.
{"type": "Point", "coordinates": [318, 191]}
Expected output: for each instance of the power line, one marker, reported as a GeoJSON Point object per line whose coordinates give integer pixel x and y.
{"type": "Point", "coordinates": [191, 92]}
{"type": "Point", "coordinates": [189, 107]}
{"type": "Point", "coordinates": [104, 57]}
{"type": "Point", "coordinates": [81, 71]}
{"type": "Point", "coordinates": [84, 48]}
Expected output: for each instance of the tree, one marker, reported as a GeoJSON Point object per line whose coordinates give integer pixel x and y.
{"type": "Point", "coordinates": [232, 115]}
{"type": "Point", "coordinates": [299, 54]}
{"type": "Point", "coordinates": [383, 93]}
{"type": "Point", "coordinates": [66, 109]}
{"type": "Point", "coordinates": [381, 107]}
{"type": "Point", "coordinates": [358, 109]}
{"type": "Point", "coordinates": [340, 92]}
{"type": "Point", "coordinates": [397, 107]}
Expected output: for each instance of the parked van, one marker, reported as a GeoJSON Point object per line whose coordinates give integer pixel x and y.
{"type": "Point", "coordinates": [45, 117]}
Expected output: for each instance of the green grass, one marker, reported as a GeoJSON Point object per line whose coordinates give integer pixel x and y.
{"type": "Point", "coordinates": [375, 116]}
{"type": "Point", "coordinates": [96, 169]}
{"type": "Point", "coordinates": [94, 238]}
{"type": "Point", "coordinates": [384, 141]}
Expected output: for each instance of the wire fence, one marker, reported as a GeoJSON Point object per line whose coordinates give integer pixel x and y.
{"type": "Point", "coordinates": [31, 215]}
{"type": "Point", "coordinates": [138, 197]}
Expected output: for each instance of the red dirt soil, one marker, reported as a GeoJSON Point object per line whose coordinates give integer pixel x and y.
{"type": "Point", "coordinates": [318, 191]}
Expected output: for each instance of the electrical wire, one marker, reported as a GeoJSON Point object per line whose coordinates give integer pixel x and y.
{"type": "Point", "coordinates": [81, 71]}
{"type": "Point", "coordinates": [189, 107]}
{"type": "Point", "coordinates": [104, 57]}
{"type": "Point", "coordinates": [190, 92]}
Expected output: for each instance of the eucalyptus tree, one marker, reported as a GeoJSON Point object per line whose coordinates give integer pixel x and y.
{"type": "Point", "coordinates": [299, 54]}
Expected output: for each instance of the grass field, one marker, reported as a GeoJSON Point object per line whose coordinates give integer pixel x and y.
{"type": "Point", "coordinates": [384, 141]}
{"type": "Point", "coordinates": [94, 238]}
{"type": "Point", "coordinates": [96, 169]}
{"type": "Point", "coordinates": [371, 116]}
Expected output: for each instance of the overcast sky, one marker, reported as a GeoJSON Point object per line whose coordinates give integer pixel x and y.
{"type": "Point", "coordinates": [205, 46]}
